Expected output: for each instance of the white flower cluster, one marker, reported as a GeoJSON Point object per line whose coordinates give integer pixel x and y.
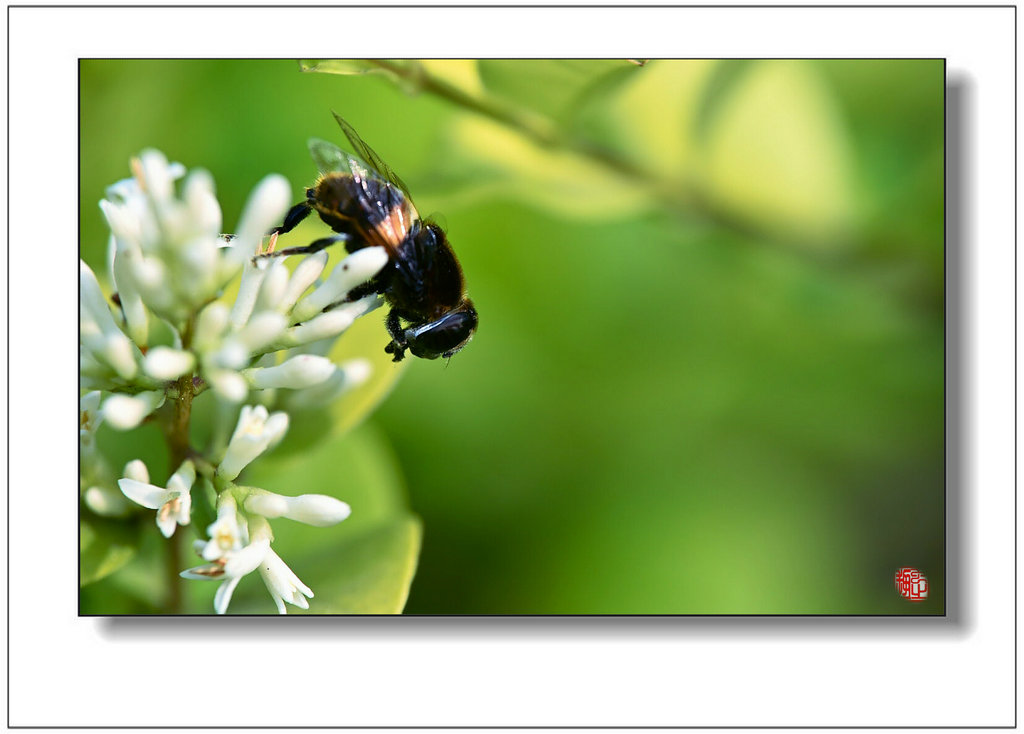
{"type": "Point", "coordinates": [172, 332]}
{"type": "Point", "coordinates": [169, 263]}
{"type": "Point", "coordinates": [239, 539]}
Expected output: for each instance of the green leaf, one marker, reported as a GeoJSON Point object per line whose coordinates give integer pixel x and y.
{"type": "Point", "coordinates": [346, 67]}
{"type": "Point", "coordinates": [204, 505]}
{"type": "Point", "coordinates": [724, 80]}
{"type": "Point", "coordinates": [649, 117]}
{"type": "Point", "coordinates": [776, 154]}
{"type": "Point", "coordinates": [145, 442]}
{"type": "Point", "coordinates": [496, 161]}
{"type": "Point", "coordinates": [356, 67]}
{"type": "Point", "coordinates": [368, 574]}
{"type": "Point", "coordinates": [366, 339]}
{"type": "Point", "coordinates": [104, 547]}
{"type": "Point", "coordinates": [551, 87]}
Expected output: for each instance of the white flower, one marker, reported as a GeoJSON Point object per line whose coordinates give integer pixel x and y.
{"type": "Point", "coordinates": [226, 535]}
{"type": "Point", "coordinates": [228, 384]}
{"type": "Point", "coordinates": [124, 412]}
{"type": "Point", "coordinates": [357, 268]}
{"type": "Point", "coordinates": [255, 433]}
{"type": "Point", "coordinates": [305, 370]}
{"type": "Point", "coordinates": [330, 323]}
{"type": "Point", "coordinates": [173, 503]}
{"type": "Point", "coordinates": [304, 275]}
{"type": "Point", "coordinates": [166, 246]}
{"type": "Point", "coordinates": [136, 469]}
{"type": "Point", "coordinates": [91, 418]}
{"type": "Point", "coordinates": [105, 501]}
{"type": "Point", "coordinates": [264, 209]}
{"type": "Point", "coordinates": [283, 584]}
{"type": "Point", "coordinates": [313, 509]}
{"type": "Point", "coordinates": [229, 568]}
{"type": "Point", "coordinates": [346, 378]}
{"type": "Point", "coordinates": [211, 324]}
{"type": "Point", "coordinates": [262, 329]}
{"type": "Point", "coordinates": [99, 334]}
{"type": "Point", "coordinates": [136, 317]}
{"type": "Point", "coordinates": [275, 284]}
{"type": "Point", "coordinates": [165, 363]}
{"type": "Point", "coordinates": [266, 205]}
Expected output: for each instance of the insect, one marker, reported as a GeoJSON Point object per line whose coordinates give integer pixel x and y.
{"type": "Point", "coordinates": [367, 205]}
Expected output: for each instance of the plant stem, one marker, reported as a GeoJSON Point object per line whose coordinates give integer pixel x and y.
{"type": "Point", "coordinates": [178, 444]}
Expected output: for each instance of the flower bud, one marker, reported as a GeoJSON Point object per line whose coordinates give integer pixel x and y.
{"type": "Point", "coordinates": [150, 276]}
{"type": "Point", "coordinates": [248, 289]}
{"type": "Point", "coordinates": [137, 470]}
{"type": "Point", "coordinates": [203, 208]}
{"type": "Point", "coordinates": [106, 502]}
{"type": "Point", "coordinates": [210, 326]}
{"type": "Point", "coordinates": [304, 370]}
{"type": "Point", "coordinates": [157, 175]}
{"type": "Point", "coordinates": [305, 274]}
{"type": "Point", "coordinates": [124, 225]}
{"type": "Point", "coordinates": [318, 510]}
{"type": "Point", "coordinates": [255, 433]}
{"type": "Point", "coordinates": [261, 330]}
{"type": "Point", "coordinates": [275, 283]}
{"type": "Point", "coordinates": [135, 315]}
{"type": "Point", "coordinates": [229, 384]}
{"type": "Point", "coordinates": [355, 269]}
{"type": "Point", "coordinates": [165, 363]}
{"type": "Point", "coordinates": [124, 412]}
{"type": "Point", "coordinates": [324, 326]}
{"type": "Point", "coordinates": [346, 377]}
{"type": "Point", "coordinates": [265, 208]}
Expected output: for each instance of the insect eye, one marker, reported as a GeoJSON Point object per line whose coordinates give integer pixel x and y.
{"type": "Point", "coordinates": [445, 336]}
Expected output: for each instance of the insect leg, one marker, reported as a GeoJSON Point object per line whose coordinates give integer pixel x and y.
{"type": "Point", "coordinates": [397, 346]}
{"type": "Point", "coordinates": [291, 220]}
{"type": "Point", "coordinates": [309, 249]}
{"type": "Point", "coordinates": [364, 289]}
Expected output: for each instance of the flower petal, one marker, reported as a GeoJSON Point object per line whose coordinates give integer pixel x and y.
{"type": "Point", "coordinates": [223, 596]}
{"type": "Point", "coordinates": [248, 559]}
{"type": "Point", "coordinates": [147, 495]}
{"type": "Point", "coordinates": [166, 520]}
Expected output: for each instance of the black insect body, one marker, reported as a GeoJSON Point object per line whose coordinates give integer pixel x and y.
{"type": "Point", "coordinates": [367, 205]}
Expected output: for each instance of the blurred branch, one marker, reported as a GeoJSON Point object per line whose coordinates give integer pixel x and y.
{"type": "Point", "coordinates": [676, 195]}
{"type": "Point", "coordinates": [679, 196]}
{"type": "Point", "coordinates": [540, 130]}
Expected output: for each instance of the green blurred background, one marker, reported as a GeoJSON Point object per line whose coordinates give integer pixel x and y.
{"type": "Point", "coordinates": [708, 376]}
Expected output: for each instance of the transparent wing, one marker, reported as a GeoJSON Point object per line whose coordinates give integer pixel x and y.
{"type": "Point", "coordinates": [369, 155]}
{"type": "Point", "coordinates": [328, 156]}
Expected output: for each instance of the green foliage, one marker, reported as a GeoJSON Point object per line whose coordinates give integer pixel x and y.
{"type": "Point", "coordinates": [709, 371]}
{"type": "Point", "coordinates": [553, 88]}
{"type": "Point", "coordinates": [104, 546]}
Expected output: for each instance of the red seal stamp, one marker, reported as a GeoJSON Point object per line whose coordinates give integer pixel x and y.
{"type": "Point", "coordinates": [912, 584]}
